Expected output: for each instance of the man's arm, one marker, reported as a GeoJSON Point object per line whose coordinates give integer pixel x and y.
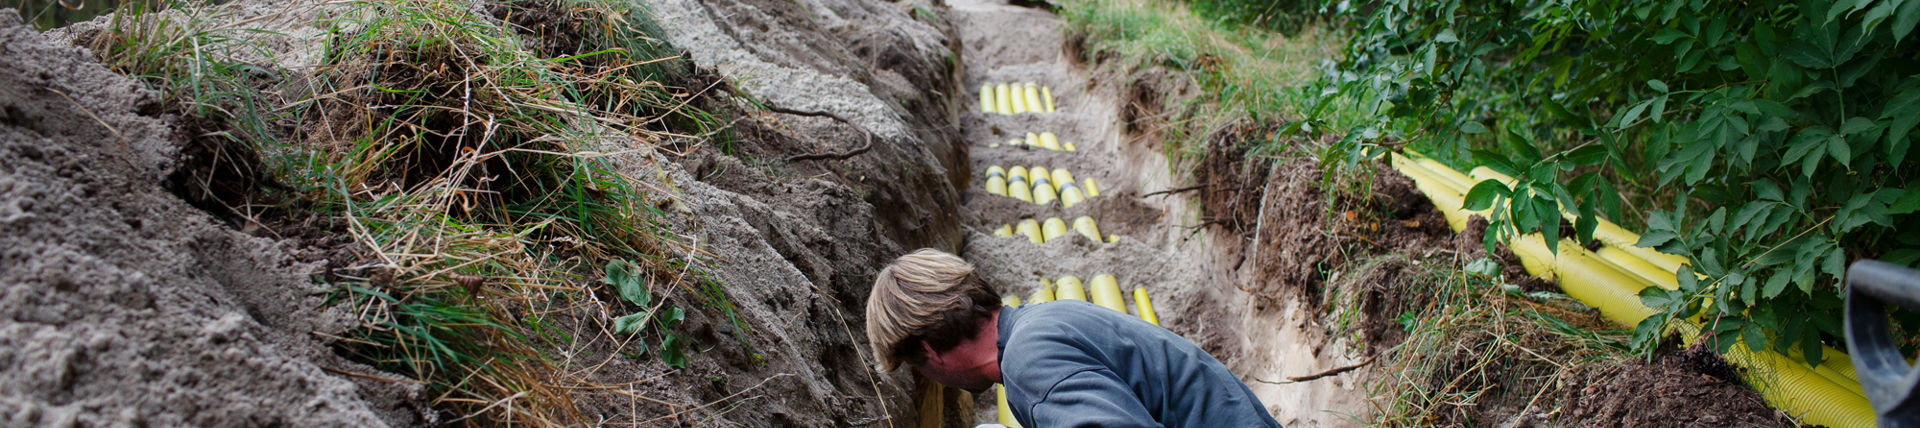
{"type": "Point", "coordinates": [1094, 397]}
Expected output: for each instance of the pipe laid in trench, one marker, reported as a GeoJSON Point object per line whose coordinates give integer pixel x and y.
{"type": "Point", "coordinates": [1069, 288]}
{"type": "Point", "coordinates": [1600, 281]}
{"type": "Point", "coordinates": [1106, 292]}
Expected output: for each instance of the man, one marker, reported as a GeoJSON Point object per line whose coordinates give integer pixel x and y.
{"type": "Point", "coordinates": [1064, 364]}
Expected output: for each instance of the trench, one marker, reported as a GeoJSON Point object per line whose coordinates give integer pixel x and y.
{"type": "Point", "coordinates": [1146, 241]}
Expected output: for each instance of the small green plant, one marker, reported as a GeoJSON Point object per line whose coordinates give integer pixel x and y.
{"type": "Point", "coordinates": [621, 274]}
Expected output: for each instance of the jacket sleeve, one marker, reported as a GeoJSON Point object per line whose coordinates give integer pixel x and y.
{"type": "Point", "coordinates": [1091, 398]}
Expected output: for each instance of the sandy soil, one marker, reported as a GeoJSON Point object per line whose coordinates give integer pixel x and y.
{"type": "Point", "coordinates": [121, 304]}
{"type": "Point", "coordinates": [1194, 276]}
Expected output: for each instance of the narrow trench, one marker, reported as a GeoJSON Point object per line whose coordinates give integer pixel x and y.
{"type": "Point", "coordinates": [1193, 275]}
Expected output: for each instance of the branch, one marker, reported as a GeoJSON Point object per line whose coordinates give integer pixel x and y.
{"type": "Point", "coordinates": [819, 156]}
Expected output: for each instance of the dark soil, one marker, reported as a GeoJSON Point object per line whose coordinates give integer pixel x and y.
{"type": "Point", "coordinates": [1690, 388]}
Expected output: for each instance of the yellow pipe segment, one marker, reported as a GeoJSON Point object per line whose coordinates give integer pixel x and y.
{"type": "Point", "coordinates": [1019, 99]}
{"type": "Point", "coordinates": [1010, 301]}
{"type": "Point", "coordinates": [1004, 230]}
{"type": "Point", "coordinates": [1145, 306]}
{"type": "Point", "coordinates": [1054, 228]}
{"type": "Point", "coordinates": [1041, 295]}
{"type": "Point", "coordinates": [1050, 141]}
{"type": "Point", "coordinates": [1017, 171]}
{"type": "Point", "coordinates": [1069, 146]}
{"type": "Point", "coordinates": [1046, 92]}
{"type": "Point", "coordinates": [1071, 195]}
{"type": "Point", "coordinates": [1092, 190]}
{"type": "Point", "coordinates": [1606, 232]}
{"type": "Point", "coordinates": [1034, 140]}
{"type": "Point", "coordinates": [1085, 226]}
{"type": "Point", "coordinates": [986, 98]}
{"type": "Point", "coordinates": [997, 185]}
{"type": "Point", "coordinates": [1033, 99]}
{"type": "Point", "coordinates": [1018, 189]}
{"type": "Point", "coordinates": [1037, 173]}
{"type": "Point", "coordinates": [1070, 288]}
{"type": "Point", "coordinates": [1610, 280]}
{"type": "Point", "coordinates": [1031, 229]}
{"type": "Point", "coordinates": [1062, 177]}
{"type": "Point", "coordinates": [1003, 99]}
{"type": "Point", "coordinates": [1043, 192]}
{"type": "Point", "coordinates": [1106, 292]}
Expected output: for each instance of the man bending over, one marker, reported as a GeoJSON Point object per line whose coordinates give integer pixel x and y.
{"type": "Point", "coordinates": [1064, 363]}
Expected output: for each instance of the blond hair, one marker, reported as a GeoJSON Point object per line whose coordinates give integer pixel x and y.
{"type": "Point", "coordinates": [928, 296]}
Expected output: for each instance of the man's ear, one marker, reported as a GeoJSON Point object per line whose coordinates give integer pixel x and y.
{"type": "Point", "coordinates": [927, 353]}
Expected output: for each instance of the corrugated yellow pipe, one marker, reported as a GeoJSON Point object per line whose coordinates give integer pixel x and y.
{"type": "Point", "coordinates": [1003, 99]}
{"type": "Point", "coordinates": [1087, 228]}
{"type": "Point", "coordinates": [1033, 99]}
{"type": "Point", "coordinates": [1046, 92]}
{"type": "Point", "coordinates": [1145, 306]}
{"type": "Point", "coordinates": [1031, 229]}
{"type": "Point", "coordinates": [1053, 229]}
{"type": "Point", "coordinates": [1785, 383]}
{"type": "Point", "coordinates": [1092, 190]}
{"type": "Point", "coordinates": [986, 98]}
{"type": "Point", "coordinates": [1106, 292]}
{"type": "Point", "coordinates": [1041, 295]}
{"type": "Point", "coordinates": [1033, 140]}
{"type": "Point", "coordinates": [1069, 288]}
{"type": "Point", "coordinates": [1050, 141]}
{"type": "Point", "coordinates": [1019, 99]}
{"type": "Point", "coordinates": [1070, 195]}
{"type": "Point", "coordinates": [1062, 177]}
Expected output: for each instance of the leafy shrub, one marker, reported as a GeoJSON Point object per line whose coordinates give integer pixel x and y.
{"type": "Point", "coordinates": [1767, 141]}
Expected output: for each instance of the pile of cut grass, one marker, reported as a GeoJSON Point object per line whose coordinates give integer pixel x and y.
{"type": "Point", "coordinates": [470, 169]}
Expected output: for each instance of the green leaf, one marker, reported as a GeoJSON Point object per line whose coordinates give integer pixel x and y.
{"type": "Point", "coordinates": [1446, 36]}
{"type": "Point", "coordinates": [1902, 113]}
{"type": "Point", "coordinates": [1806, 56]}
{"type": "Point", "coordinates": [1810, 347]}
{"type": "Point", "coordinates": [1841, 151]}
{"type": "Point", "coordinates": [673, 352]}
{"type": "Point", "coordinates": [1633, 113]}
{"type": "Point", "coordinates": [1589, 155]}
{"type": "Point", "coordinates": [1654, 239]}
{"type": "Point", "coordinates": [1766, 190]}
{"type": "Point", "coordinates": [1775, 284]}
{"type": "Point", "coordinates": [1906, 204]}
{"type": "Point", "coordinates": [673, 317]}
{"type": "Point", "coordinates": [1904, 19]}
{"type": "Point", "coordinates": [1668, 35]}
{"type": "Point", "coordinates": [1657, 85]}
{"type": "Point", "coordinates": [1484, 194]}
{"type": "Point", "coordinates": [630, 324]}
{"type": "Point", "coordinates": [1472, 128]}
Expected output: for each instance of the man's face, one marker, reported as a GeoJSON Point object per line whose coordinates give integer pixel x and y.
{"type": "Point", "coordinates": [951, 369]}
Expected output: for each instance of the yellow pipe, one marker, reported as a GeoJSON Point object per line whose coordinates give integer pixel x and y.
{"type": "Point", "coordinates": [1037, 173]}
{"type": "Point", "coordinates": [1017, 171]}
{"type": "Point", "coordinates": [1071, 195]}
{"type": "Point", "coordinates": [1113, 238]}
{"type": "Point", "coordinates": [1047, 93]}
{"type": "Point", "coordinates": [1033, 99]}
{"type": "Point", "coordinates": [1043, 192]}
{"type": "Point", "coordinates": [1062, 177]}
{"type": "Point", "coordinates": [1106, 292]}
{"type": "Point", "coordinates": [1050, 141]}
{"type": "Point", "coordinates": [996, 185]}
{"type": "Point", "coordinates": [1019, 99]}
{"type": "Point", "coordinates": [1010, 301]}
{"type": "Point", "coordinates": [1032, 230]}
{"type": "Point", "coordinates": [1018, 189]}
{"type": "Point", "coordinates": [1002, 98]}
{"type": "Point", "coordinates": [1041, 295]}
{"type": "Point", "coordinates": [1069, 146]}
{"type": "Point", "coordinates": [1608, 282]}
{"type": "Point", "coordinates": [1054, 228]}
{"type": "Point", "coordinates": [986, 98]}
{"type": "Point", "coordinates": [1004, 230]}
{"type": "Point", "coordinates": [1145, 306]}
{"type": "Point", "coordinates": [1070, 288]}
{"type": "Point", "coordinates": [1092, 190]}
{"type": "Point", "coordinates": [993, 170]}
{"type": "Point", "coordinates": [1005, 414]}
{"type": "Point", "coordinates": [1034, 140]}
{"type": "Point", "coordinates": [1087, 228]}
{"type": "Point", "coordinates": [1606, 232]}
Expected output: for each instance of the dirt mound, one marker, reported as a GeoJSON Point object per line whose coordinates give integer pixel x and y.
{"type": "Point", "coordinates": [1672, 391]}
{"type": "Point", "coordinates": [123, 305]}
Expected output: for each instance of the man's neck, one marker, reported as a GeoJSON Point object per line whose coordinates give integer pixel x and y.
{"type": "Point", "coordinates": [989, 338]}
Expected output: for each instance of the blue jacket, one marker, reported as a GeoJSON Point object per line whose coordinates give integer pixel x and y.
{"type": "Point", "coordinates": [1074, 364]}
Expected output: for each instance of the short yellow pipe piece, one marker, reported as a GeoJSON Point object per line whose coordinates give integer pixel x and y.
{"type": "Point", "coordinates": [1005, 413]}
{"type": "Point", "coordinates": [1092, 190]}
{"type": "Point", "coordinates": [1047, 92]}
{"type": "Point", "coordinates": [1054, 228]}
{"type": "Point", "coordinates": [1087, 228]}
{"type": "Point", "coordinates": [1050, 141]}
{"type": "Point", "coordinates": [996, 185]}
{"type": "Point", "coordinates": [1034, 140]}
{"type": "Point", "coordinates": [1010, 301]}
{"type": "Point", "coordinates": [1031, 229]}
{"type": "Point", "coordinates": [1043, 192]}
{"type": "Point", "coordinates": [993, 170]}
{"type": "Point", "coordinates": [1019, 99]}
{"type": "Point", "coordinates": [1062, 177]}
{"type": "Point", "coordinates": [1069, 146]}
{"type": "Point", "coordinates": [1070, 288]}
{"type": "Point", "coordinates": [1037, 173]}
{"type": "Point", "coordinates": [1018, 189]}
{"type": "Point", "coordinates": [1106, 292]}
{"type": "Point", "coordinates": [1113, 238]}
{"type": "Point", "coordinates": [1017, 171]}
{"type": "Point", "coordinates": [986, 98]}
{"type": "Point", "coordinates": [1003, 99]}
{"type": "Point", "coordinates": [1033, 99]}
{"type": "Point", "coordinates": [1071, 195]}
{"type": "Point", "coordinates": [1004, 230]}
{"type": "Point", "coordinates": [1145, 306]}
{"type": "Point", "coordinates": [1042, 294]}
